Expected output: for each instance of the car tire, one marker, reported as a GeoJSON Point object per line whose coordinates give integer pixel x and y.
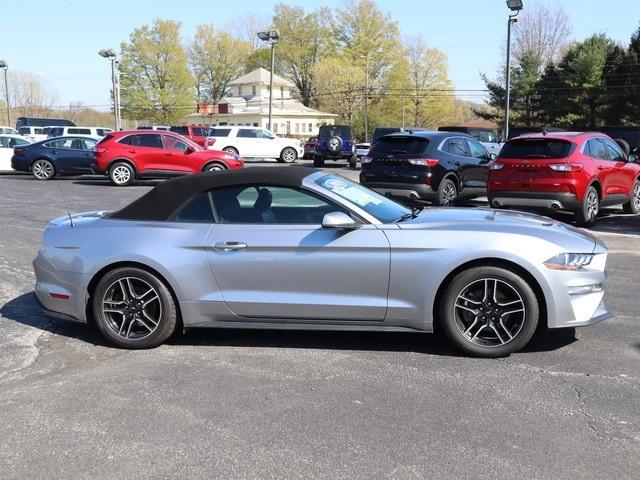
{"type": "Point", "coordinates": [318, 161]}
{"type": "Point", "coordinates": [133, 308]}
{"type": "Point", "coordinates": [447, 193]}
{"type": "Point", "coordinates": [476, 323]}
{"type": "Point", "coordinates": [587, 212]}
{"type": "Point", "coordinates": [288, 155]}
{"type": "Point", "coordinates": [214, 167]}
{"type": "Point", "coordinates": [633, 205]}
{"type": "Point", "coordinates": [121, 174]}
{"type": "Point", "coordinates": [353, 161]}
{"type": "Point", "coordinates": [230, 150]}
{"type": "Point", "coordinates": [43, 169]}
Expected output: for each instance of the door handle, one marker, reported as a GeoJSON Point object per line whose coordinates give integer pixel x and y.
{"type": "Point", "coordinates": [229, 246]}
{"type": "Point", "coordinates": [132, 151]}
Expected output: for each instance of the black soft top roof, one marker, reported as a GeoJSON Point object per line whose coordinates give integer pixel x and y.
{"type": "Point", "coordinates": [165, 199]}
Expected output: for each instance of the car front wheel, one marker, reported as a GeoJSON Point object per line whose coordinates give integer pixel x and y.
{"type": "Point", "coordinates": [133, 308]}
{"type": "Point", "coordinates": [122, 174]}
{"type": "Point", "coordinates": [230, 150]}
{"type": "Point", "coordinates": [633, 205]}
{"type": "Point", "coordinates": [489, 311]}
{"type": "Point", "coordinates": [43, 169]}
{"type": "Point", "coordinates": [288, 155]}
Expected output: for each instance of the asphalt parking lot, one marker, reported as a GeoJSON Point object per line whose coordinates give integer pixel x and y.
{"type": "Point", "coordinates": [254, 404]}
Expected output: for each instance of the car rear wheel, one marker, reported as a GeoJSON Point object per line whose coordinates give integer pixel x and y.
{"type": "Point", "coordinates": [353, 161]}
{"type": "Point", "coordinates": [447, 193]}
{"type": "Point", "coordinates": [122, 174]}
{"type": "Point", "coordinates": [588, 210]}
{"type": "Point", "coordinates": [288, 155]}
{"type": "Point", "coordinates": [633, 205]}
{"type": "Point", "coordinates": [43, 169]}
{"type": "Point", "coordinates": [214, 167]}
{"type": "Point", "coordinates": [489, 311]}
{"type": "Point", "coordinates": [230, 150]}
{"type": "Point", "coordinates": [318, 161]}
{"type": "Point", "coordinates": [133, 308]}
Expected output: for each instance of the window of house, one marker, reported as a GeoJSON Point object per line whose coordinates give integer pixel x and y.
{"type": "Point", "coordinates": [239, 91]}
{"type": "Point", "coordinates": [253, 90]}
{"type": "Point", "coordinates": [310, 127]}
{"type": "Point", "coordinates": [297, 127]}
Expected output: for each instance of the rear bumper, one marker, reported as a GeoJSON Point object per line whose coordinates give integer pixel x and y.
{"type": "Point", "coordinates": [548, 200]}
{"type": "Point", "coordinates": [403, 190]}
{"type": "Point", "coordinates": [20, 163]}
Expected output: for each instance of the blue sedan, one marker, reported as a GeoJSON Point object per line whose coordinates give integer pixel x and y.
{"type": "Point", "coordinates": [69, 155]}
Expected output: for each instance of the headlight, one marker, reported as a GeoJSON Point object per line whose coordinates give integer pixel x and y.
{"type": "Point", "coordinates": [569, 261]}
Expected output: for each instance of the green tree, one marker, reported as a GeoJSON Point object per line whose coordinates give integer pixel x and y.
{"type": "Point", "coordinates": [215, 58]}
{"type": "Point", "coordinates": [156, 84]}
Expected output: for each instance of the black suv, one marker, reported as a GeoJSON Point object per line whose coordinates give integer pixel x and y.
{"type": "Point", "coordinates": [334, 142]}
{"type": "Point", "coordinates": [424, 165]}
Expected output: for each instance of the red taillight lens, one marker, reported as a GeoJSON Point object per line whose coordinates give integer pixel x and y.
{"type": "Point", "coordinates": [100, 149]}
{"type": "Point", "coordinates": [566, 167]}
{"type": "Point", "coordinates": [425, 162]}
{"type": "Point", "coordinates": [17, 150]}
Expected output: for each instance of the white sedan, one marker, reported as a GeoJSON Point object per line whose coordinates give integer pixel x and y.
{"type": "Point", "coordinates": [254, 142]}
{"type": "Point", "coordinates": [7, 143]}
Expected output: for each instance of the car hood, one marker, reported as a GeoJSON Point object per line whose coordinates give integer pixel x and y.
{"type": "Point", "coordinates": [470, 220]}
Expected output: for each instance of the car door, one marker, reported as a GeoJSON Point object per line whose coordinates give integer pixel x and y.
{"type": "Point", "coordinates": [246, 141]}
{"type": "Point", "coordinates": [460, 158]}
{"type": "Point", "coordinates": [621, 178]}
{"type": "Point", "coordinates": [6, 152]}
{"type": "Point", "coordinates": [82, 156]}
{"type": "Point", "coordinates": [175, 153]}
{"type": "Point", "coordinates": [268, 144]}
{"type": "Point", "coordinates": [596, 149]}
{"type": "Point", "coordinates": [271, 258]}
{"type": "Point", "coordinates": [148, 152]}
{"type": "Point", "coordinates": [62, 154]}
{"type": "Point", "coordinates": [478, 171]}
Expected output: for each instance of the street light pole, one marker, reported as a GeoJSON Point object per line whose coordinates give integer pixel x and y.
{"type": "Point", "coordinates": [514, 6]}
{"type": "Point", "coordinates": [366, 98]}
{"type": "Point", "coordinates": [115, 84]}
{"type": "Point", "coordinates": [272, 38]}
{"type": "Point", "coordinates": [5, 66]}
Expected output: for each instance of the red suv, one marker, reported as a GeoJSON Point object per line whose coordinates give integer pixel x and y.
{"type": "Point", "coordinates": [579, 172]}
{"type": "Point", "coordinates": [123, 156]}
{"type": "Point", "coordinates": [196, 133]}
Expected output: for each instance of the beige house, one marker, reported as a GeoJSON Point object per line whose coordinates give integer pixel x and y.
{"type": "Point", "coordinates": [248, 104]}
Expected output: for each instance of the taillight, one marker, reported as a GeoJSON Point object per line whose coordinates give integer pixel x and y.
{"type": "Point", "coordinates": [17, 150]}
{"type": "Point", "coordinates": [496, 166]}
{"type": "Point", "coordinates": [100, 149]}
{"type": "Point", "coordinates": [566, 167]}
{"type": "Point", "coordinates": [211, 141]}
{"type": "Point", "coordinates": [366, 160]}
{"type": "Point", "coordinates": [425, 162]}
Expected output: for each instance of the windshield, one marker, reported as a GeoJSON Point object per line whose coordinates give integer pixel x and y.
{"type": "Point", "coordinates": [399, 145]}
{"type": "Point", "coordinates": [535, 148]}
{"type": "Point", "coordinates": [335, 130]}
{"type": "Point", "coordinates": [383, 208]}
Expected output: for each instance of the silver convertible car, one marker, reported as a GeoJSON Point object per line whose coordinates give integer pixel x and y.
{"type": "Point", "coordinates": [295, 248]}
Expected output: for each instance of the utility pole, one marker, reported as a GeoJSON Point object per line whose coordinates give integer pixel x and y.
{"type": "Point", "coordinates": [403, 96]}
{"type": "Point", "coordinates": [366, 98]}
{"type": "Point", "coordinates": [272, 38]}
{"type": "Point", "coordinates": [514, 6]}
{"type": "Point", "coordinates": [5, 66]}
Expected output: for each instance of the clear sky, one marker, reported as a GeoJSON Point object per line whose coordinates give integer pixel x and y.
{"type": "Point", "coordinates": [59, 39]}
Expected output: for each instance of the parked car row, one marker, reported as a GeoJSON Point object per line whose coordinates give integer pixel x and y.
{"type": "Point", "coordinates": [122, 156]}
{"type": "Point", "coordinates": [569, 171]}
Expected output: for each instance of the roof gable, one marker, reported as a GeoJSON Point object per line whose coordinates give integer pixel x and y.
{"type": "Point", "coordinates": [261, 76]}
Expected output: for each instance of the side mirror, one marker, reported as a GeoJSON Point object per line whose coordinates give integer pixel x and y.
{"type": "Point", "coordinates": [339, 220]}
{"type": "Point", "coordinates": [189, 150]}
{"type": "Point", "coordinates": [633, 158]}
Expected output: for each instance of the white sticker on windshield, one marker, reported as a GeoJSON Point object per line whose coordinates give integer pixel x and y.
{"type": "Point", "coordinates": [351, 193]}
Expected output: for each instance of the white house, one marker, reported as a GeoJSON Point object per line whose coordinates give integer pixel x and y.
{"type": "Point", "coordinates": [248, 104]}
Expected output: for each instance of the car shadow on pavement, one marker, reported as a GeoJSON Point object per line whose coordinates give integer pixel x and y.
{"type": "Point", "coordinates": [25, 310]}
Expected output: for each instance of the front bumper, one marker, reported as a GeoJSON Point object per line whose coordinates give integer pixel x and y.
{"type": "Point", "coordinates": [547, 200]}
{"type": "Point", "coordinates": [576, 298]}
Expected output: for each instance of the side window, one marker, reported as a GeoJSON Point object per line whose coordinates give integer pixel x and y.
{"type": "Point", "coordinates": [199, 132]}
{"type": "Point", "coordinates": [596, 149]}
{"type": "Point", "coordinates": [150, 140]}
{"type": "Point", "coordinates": [89, 144]}
{"type": "Point", "coordinates": [79, 131]}
{"type": "Point", "coordinates": [4, 142]}
{"type": "Point", "coordinates": [219, 132]}
{"type": "Point", "coordinates": [128, 140]}
{"type": "Point", "coordinates": [615, 154]}
{"type": "Point", "coordinates": [259, 204]}
{"type": "Point", "coordinates": [247, 133]}
{"type": "Point", "coordinates": [196, 210]}
{"type": "Point", "coordinates": [477, 150]}
{"type": "Point", "coordinates": [173, 143]}
{"type": "Point", "coordinates": [458, 146]}
{"type": "Point", "coordinates": [264, 134]}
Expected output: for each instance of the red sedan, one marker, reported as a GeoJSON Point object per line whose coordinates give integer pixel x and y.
{"type": "Point", "coordinates": [127, 155]}
{"type": "Point", "coordinates": [574, 171]}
